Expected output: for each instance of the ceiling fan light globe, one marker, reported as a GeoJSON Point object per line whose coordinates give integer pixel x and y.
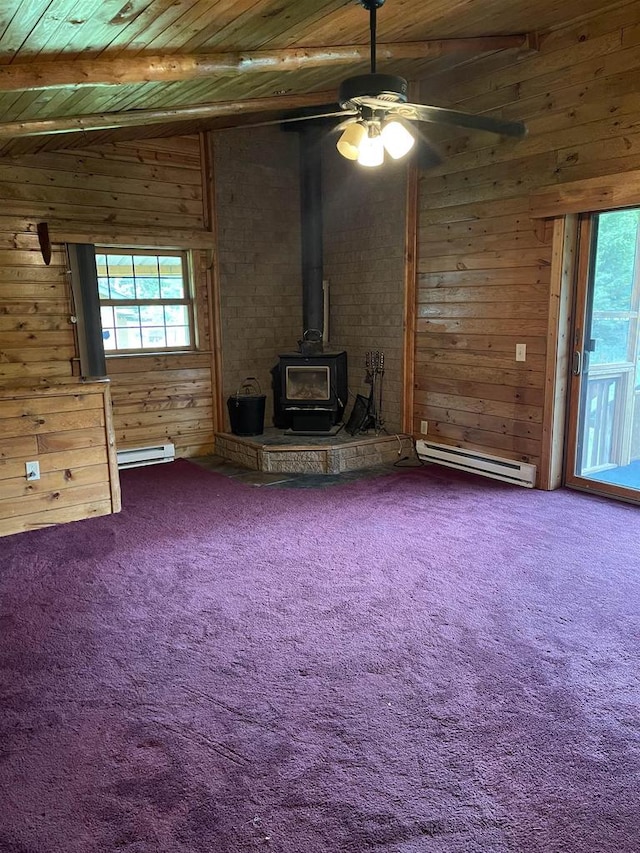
{"type": "Point", "coordinates": [349, 143]}
{"type": "Point", "coordinates": [396, 139]}
{"type": "Point", "coordinates": [371, 152]}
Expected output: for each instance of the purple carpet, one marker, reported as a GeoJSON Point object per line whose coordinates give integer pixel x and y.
{"type": "Point", "coordinates": [416, 663]}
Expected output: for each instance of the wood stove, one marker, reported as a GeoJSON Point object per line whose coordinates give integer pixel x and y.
{"type": "Point", "coordinates": [310, 391]}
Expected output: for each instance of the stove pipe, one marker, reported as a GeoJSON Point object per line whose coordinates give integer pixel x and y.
{"type": "Point", "coordinates": [311, 228]}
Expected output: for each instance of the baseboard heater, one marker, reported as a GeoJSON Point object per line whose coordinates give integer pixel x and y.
{"type": "Point", "coordinates": [520, 473]}
{"type": "Point", "coordinates": [134, 457]}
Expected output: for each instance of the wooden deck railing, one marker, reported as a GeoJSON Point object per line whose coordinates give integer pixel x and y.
{"type": "Point", "coordinates": [609, 418]}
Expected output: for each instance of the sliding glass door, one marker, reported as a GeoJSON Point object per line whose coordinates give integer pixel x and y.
{"type": "Point", "coordinates": [604, 420]}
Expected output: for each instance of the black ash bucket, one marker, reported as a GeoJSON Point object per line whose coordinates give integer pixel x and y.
{"type": "Point", "coordinates": [246, 408]}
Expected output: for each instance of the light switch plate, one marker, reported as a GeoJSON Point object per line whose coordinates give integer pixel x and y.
{"type": "Point", "coordinates": [521, 352]}
{"type": "Point", "coordinates": [33, 470]}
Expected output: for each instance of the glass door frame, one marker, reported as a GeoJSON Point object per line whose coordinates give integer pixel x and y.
{"type": "Point", "coordinates": [577, 400]}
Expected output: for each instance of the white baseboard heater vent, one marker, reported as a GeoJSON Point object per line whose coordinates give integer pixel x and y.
{"type": "Point", "coordinates": [520, 473]}
{"type": "Point", "coordinates": [133, 457]}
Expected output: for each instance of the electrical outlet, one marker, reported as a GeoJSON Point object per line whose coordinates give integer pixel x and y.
{"type": "Point", "coordinates": [521, 352]}
{"type": "Point", "coordinates": [424, 427]}
{"type": "Point", "coordinates": [33, 470]}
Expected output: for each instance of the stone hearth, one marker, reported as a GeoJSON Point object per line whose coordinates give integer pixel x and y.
{"type": "Point", "coordinates": [279, 452]}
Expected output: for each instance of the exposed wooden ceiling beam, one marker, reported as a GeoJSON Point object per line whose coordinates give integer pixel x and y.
{"type": "Point", "coordinates": [140, 118]}
{"type": "Point", "coordinates": [62, 73]}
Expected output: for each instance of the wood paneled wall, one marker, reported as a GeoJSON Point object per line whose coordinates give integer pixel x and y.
{"type": "Point", "coordinates": [36, 335]}
{"type": "Point", "coordinates": [148, 193]}
{"type": "Point", "coordinates": [483, 275]}
{"type": "Point", "coordinates": [67, 429]}
{"type": "Point", "coordinates": [169, 398]}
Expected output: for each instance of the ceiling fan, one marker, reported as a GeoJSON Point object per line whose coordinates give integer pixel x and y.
{"type": "Point", "coordinates": [380, 117]}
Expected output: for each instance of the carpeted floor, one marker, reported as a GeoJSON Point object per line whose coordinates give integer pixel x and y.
{"type": "Point", "coordinates": [418, 663]}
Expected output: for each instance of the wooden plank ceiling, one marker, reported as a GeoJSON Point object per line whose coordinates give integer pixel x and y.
{"type": "Point", "coordinates": [137, 67]}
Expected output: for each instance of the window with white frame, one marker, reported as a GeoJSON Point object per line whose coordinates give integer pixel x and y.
{"type": "Point", "coordinates": [145, 300]}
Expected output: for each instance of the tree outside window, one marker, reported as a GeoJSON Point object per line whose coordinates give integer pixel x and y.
{"type": "Point", "coordinates": [615, 293]}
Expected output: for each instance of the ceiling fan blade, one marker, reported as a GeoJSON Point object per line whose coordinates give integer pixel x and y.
{"type": "Point", "coordinates": [441, 115]}
{"type": "Point", "coordinates": [292, 119]}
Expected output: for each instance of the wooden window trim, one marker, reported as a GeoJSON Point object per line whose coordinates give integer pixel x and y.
{"type": "Point", "coordinates": [593, 195]}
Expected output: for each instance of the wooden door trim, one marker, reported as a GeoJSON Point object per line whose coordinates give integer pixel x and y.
{"type": "Point", "coordinates": [558, 358]}
{"type": "Point", "coordinates": [410, 297]}
{"type": "Point", "coordinates": [599, 487]}
{"type": "Point", "coordinates": [577, 345]}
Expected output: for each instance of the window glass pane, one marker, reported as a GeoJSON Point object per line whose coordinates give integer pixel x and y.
{"type": "Point", "coordinates": [153, 337]}
{"type": "Point", "coordinates": [145, 266]}
{"type": "Point", "coordinates": [176, 315]}
{"type": "Point", "coordinates": [106, 316]}
{"type": "Point", "coordinates": [611, 336]}
{"type": "Point", "coordinates": [170, 265]}
{"type": "Point", "coordinates": [128, 338]}
{"type": "Point", "coordinates": [147, 288]}
{"type": "Point", "coordinates": [129, 316]}
{"type": "Point", "coordinates": [178, 336]}
{"type": "Point", "coordinates": [615, 260]}
{"type": "Point", "coordinates": [119, 266]}
{"type": "Point", "coordinates": [171, 277]}
{"type": "Point", "coordinates": [123, 288]}
{"type": "Point", "coordinates": [143, 277]}
{"type": "Point", "coordinates": [172, 288]}
{"type": "Point", "coordinates": [152, 315]}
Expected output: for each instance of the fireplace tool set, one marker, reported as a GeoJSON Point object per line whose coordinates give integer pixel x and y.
{"type": "Point", "coordinates": [367, 411]}
{"type": "Point", "coordinates": [374, 364]}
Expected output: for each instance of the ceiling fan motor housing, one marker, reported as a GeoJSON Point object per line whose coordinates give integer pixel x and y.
{"type": "Point", "coordinates": [386, 87]}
